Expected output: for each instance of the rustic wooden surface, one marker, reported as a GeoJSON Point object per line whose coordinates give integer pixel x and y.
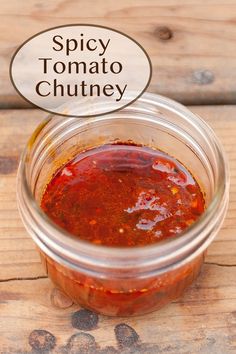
{"type": "Point", "coordinates": [202, 321]}
{"type": "Point", "coordinates": [191, 42]}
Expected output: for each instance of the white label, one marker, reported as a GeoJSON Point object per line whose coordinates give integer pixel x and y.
{"type": "Point", "coordinates": [94, 68]}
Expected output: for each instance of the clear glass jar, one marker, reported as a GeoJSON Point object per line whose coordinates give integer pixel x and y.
{"type": "Point", "coordinates": [124, 281]}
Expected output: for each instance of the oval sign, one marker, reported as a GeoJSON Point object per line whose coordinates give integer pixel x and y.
{"type": "Point", "coordinates": [95, 69]}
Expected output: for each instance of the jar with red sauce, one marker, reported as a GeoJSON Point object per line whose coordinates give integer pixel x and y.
{"type": "Point", "coordinates": [123, 279]}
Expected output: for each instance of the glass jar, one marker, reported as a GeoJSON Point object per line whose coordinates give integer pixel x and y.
{"type": "Point", "coordinates": [124, 281]}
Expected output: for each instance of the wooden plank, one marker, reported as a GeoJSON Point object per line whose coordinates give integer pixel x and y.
{"type": "Point", "coordinates": [17, 253]}
{"type": "Point", "coordinates": [202, 321]}
{"type": "Point", "coordinates": [191, 44]}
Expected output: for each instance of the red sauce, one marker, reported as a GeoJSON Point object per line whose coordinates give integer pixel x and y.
{"type": "Point", "coordinates": [123, 195]}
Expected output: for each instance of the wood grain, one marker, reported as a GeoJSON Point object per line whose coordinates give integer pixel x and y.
{"type": "Point", "coordinates": [191, 44]}
{"type": "Point", "coordinates": [202, 321]}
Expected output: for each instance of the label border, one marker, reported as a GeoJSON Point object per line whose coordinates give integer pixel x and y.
{"type": "Point", "coordinates": [71, 25]}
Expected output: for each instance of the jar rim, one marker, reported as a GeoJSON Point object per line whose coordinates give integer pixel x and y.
{"type": "Point", "coordinates": [170, 251]}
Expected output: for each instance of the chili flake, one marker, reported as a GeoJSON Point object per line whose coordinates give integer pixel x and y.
{"type": "Point", "coordinates": [123, 195]}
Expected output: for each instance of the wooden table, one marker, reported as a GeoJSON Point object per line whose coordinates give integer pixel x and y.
{"type": "Point", "coordinates": [202, 321]}
{"type": "Point", "coordinates": [192, 45]}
